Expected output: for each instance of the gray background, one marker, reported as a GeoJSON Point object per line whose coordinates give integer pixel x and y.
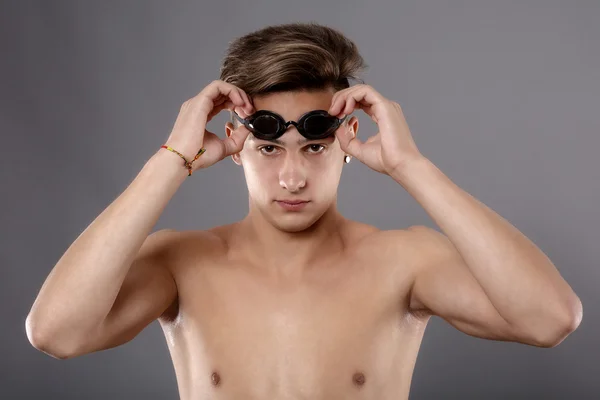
{"type": "Point", "coordinates": [502, 96]}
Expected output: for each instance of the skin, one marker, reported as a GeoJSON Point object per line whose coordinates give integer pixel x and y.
{"type": "Point", "coordinates": [288, 304]}
{"type": "Point", "coordinates": [309, 304]}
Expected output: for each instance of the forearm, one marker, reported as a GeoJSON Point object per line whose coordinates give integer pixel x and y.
{"type": "Point", "coordinates": [518, 278]}
{"type": "Point", "coordinates": [82, 287]}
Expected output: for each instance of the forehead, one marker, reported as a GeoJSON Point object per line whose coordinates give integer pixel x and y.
{"type": "Point", "coordinates": [291, 105]}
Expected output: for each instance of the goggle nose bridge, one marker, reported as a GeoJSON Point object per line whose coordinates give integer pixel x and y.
{"type": "Point", "coordinates": [287, 125]}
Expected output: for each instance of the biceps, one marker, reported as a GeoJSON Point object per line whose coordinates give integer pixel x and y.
{"type": "Point", "coordinates": [144, 296]}
{"type": "Point", "coordinates": [447, 288]}
{"type": "Point", "coordinates": [460, 301]}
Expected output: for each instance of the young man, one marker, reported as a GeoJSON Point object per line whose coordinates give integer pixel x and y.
{"type": "Point", "coordinates": [296, 301]}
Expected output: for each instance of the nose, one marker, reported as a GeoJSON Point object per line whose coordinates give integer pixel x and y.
{"type": "Point", "coordinates": [292, 176]}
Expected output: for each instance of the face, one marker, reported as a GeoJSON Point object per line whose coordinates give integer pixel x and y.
{"type": "Point", "coordinates": [292, 167]}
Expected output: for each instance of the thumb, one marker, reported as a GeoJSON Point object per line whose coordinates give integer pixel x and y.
{"type": "Point", "coordinates": [235, 142]}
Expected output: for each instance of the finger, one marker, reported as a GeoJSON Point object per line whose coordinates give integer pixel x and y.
{"type": "Point", "coordinates": [227, 96]}
{"type": "Point", "coordinates": [357, 100]}
{"type": "Point", "coordinates": [342, 93]}
{"type": "Point", "coordinates": [338, 103]}
{"type": "Point", "coordinates": [217, 148]}
{"type": "Point", "coordinates": [214, 149]}
{"type": "Point", "coordinates": [249, 106]}
{"type": "Point", "coordinates": [368, 110]}
{"type": "Point", "coordinates": [363, 95]}
{"type": "Point", "coordinates": [344, 105]}
{"type": "Point", "coordinates": [241, 111]}
{"type": "Point", "coordinates": [220, 88]}
{"type": "Point", "coordinates": [245, 110]}
{"type": "Point", "coordinates": [237, 96]}
{"type": "Point", "coordinates": [335, 108]}
{"type": "Point", "coordinates": [217, 109]}
{"type": "Point", "coordinates": [349, 106]}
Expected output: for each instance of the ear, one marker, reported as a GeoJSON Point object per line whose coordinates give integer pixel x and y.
{"type": "Point", "coordinates": [352, 125]}
{"type": "Point", "coordinates": [350, 129]}
{"type": "Point", "coordinates": [229, 129]}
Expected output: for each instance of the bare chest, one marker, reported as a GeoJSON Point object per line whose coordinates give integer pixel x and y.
{"type": "Point", "coordinates": [340, 332]}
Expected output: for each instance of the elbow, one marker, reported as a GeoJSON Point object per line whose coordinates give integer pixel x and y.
{"type": "Point", "coordinates": [562, 327]}
{"type": "Point", "coordinates": [44, 342]}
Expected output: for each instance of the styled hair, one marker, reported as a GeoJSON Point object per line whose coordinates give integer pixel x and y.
{"type": "Point", "coordinates": [292, 57]}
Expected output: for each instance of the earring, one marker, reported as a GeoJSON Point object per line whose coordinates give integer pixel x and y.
{"type": "Point", "coordinates": [347, 159]}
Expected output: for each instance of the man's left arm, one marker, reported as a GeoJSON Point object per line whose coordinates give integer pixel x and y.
{"type": "Point", "coordinates": [483, 276]}
{"type": "Point", "coordinates": [520, 281]}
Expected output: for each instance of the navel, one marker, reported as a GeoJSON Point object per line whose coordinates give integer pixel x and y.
{"type": "Point", "coordinates": [358, 379]}
{"type": "Point", "coordinates": [215, 379]}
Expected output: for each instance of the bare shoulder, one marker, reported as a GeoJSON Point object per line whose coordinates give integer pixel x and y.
{"type": "Point", "coordinates": [428, 243]}
{"type": "Point", "coordinates": [370, 239]}
{"type": "Point", "coordinates": [182, 246]}
{"type": "Point", "coordinates": [392, 239]}
{"type": "Point", "coordinates": [397, 248]}
{"type": "Point", "coordinates": [415, 240]}
{"type": "Point", "coordinates": [170, 242]}
{"type": "Point", "coordinates": [406, 250]}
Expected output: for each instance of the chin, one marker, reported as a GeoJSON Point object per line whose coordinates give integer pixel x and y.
{"type": "Point", "coordinates": [292, 226]}
{"type": "Point", "coordinates": [293, 222]}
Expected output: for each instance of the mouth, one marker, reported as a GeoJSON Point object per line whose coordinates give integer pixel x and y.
{"type": "Point", "coordinates": [292, 201]}
{"type": "Point", "coordinates": [292, 205]}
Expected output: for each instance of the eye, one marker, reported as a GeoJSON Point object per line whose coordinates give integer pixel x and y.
{"type": "Point", "coordinates": [269, 147]}
{"type": "Point", "coordinates": [318, 148]}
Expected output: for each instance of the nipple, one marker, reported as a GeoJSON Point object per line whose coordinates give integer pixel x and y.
{"type": "Point", "coordinates": [358, 379]}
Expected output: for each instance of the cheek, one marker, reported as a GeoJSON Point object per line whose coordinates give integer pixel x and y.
{"type": "Point", "coordinates": [332, 177]}
{"type": "Point", "coordinates": [259, 179]}
{"type": "Point", "coordinates": [324, 177]}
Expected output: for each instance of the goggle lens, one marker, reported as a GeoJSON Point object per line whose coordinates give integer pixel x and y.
{"type": "Point", "coordinates": [313, 126]}
{"type": "Point", "coordinates": [317, 125]}
{"type": "Point", "coordinates": [267, 125]}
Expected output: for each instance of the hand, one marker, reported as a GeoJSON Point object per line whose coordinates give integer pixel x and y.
{"type": "Point", "coordinates": [392, 147]}
{"type": "Point", "coordinates": [189, 133]}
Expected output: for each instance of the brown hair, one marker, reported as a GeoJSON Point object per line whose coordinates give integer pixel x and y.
{"type": "Point", "coordinates": [289, 57]}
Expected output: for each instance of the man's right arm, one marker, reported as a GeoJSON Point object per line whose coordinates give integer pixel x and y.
{"type": "Point", "coordinates": [111, 282]}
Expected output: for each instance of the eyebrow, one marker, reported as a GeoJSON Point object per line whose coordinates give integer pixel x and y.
{"type": "Point", "coordinates": [300, 142]}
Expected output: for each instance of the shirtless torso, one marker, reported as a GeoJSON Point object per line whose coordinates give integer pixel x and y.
{"type": "Point", "coordinates": [343, 331]}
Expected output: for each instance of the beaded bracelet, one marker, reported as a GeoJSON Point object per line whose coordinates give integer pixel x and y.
{"type": "Point", "coordinates": [187, 164]}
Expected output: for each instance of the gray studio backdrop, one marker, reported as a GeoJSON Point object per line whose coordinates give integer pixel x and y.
{"type": "Point", "coordinates": [502, 96]}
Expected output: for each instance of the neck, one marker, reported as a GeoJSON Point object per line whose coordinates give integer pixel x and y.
{"type": "Point", "coordinates": [281, 253]}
